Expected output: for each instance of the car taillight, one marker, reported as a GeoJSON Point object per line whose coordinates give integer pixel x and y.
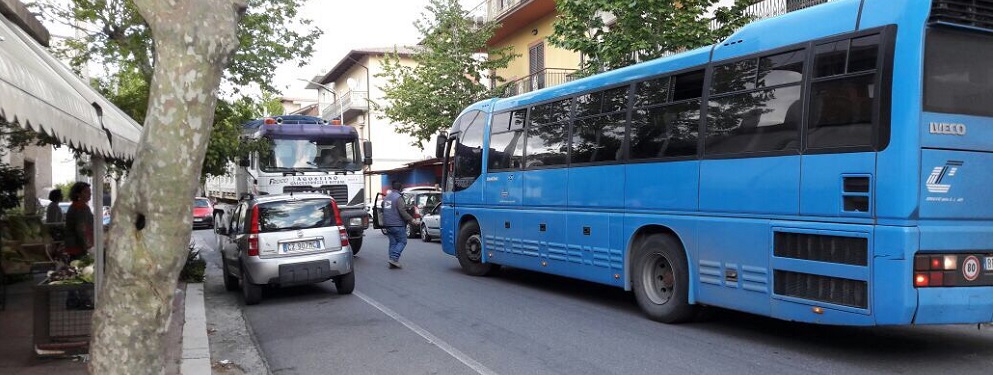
{"type": "Point", "coordinates": [337, 214]}
{"type": "Point", "coordinates": [253, 233]}
{"type": "Point", "coordinates": [344, 237]}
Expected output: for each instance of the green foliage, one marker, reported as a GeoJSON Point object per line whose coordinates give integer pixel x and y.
{"type": "Point", "coordinates": [118, 39]}
{"type": "Point", "coordinates": [11, 181]}
{"type": "Point", "coordinates": [194, 270]}
{"type": "Point", "coordinates": [426, 98]}
{"type": "Point", "coordinates": [643, 30]}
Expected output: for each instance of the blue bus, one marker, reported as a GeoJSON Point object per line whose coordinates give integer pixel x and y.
{"type": "Point", "coordinates": [824, 166]}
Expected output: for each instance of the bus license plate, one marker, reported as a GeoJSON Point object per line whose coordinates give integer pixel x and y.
{"type": "Point", "coordinates": [291, 247]}
{"type": "Point", "coordinates": [989, 264]}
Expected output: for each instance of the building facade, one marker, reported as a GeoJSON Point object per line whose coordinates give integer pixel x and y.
{"type": "Point", "coordinates": [350, 91]}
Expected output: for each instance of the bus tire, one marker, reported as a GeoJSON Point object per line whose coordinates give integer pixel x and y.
{"type": "Point", "coordinates": [469, 251]}
{"type": "Point", "coordinates": [660, 279]}
{"type": "Point", "coordinates": [356, 245]}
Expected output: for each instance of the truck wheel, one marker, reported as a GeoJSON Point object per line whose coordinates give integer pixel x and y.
{"type": "Point", "coordinates": [660, 279]}
{"type": "Point", "coordinates": [469, 251]}
{"type": "Point", "coordinates": [356, 245]}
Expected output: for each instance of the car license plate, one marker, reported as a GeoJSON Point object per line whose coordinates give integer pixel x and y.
{"type": "Point", "coordinates": [291, 247]}
{"type": "Point", "coordinates": [197, 219]}
{"type": "Point", "coordinates": [989, 264]}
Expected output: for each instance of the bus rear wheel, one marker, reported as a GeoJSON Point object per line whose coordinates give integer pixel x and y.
{"type": "Point", "coordinates": [469, 251]}
{"type": "Point", "coordinates": [660, 279]}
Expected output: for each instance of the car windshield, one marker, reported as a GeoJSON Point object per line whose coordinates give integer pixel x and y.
{"type": "Point", "coordinates": [295, 214]}
{"type": "Point", "coordinates": [201, 203]}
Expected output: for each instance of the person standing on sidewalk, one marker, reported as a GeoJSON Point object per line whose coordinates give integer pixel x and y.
{"type": "Point", "coordinates": [395, 219]}
{"type": "Point", "coordinates": [79, 237]}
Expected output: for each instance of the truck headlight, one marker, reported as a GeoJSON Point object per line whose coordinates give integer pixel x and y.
{"type": "Point", "coordinates": [355, 222]}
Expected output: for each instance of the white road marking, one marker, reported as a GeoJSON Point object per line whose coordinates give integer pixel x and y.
{"type": "Point", "coordinates": [457, 354]}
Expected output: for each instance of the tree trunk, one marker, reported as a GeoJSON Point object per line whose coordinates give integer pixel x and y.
{"type": "Point", "coordinates": [147, 247]}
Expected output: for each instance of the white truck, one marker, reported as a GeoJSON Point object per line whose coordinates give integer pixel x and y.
{"type": "Point", "coordinates": [305, 154]}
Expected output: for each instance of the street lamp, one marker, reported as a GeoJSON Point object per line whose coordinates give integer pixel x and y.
{"type": "Point", "coordinates": [341, 116]}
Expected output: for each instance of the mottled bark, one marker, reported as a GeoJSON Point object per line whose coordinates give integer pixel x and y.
{"type": "Point", "coordinates": [194, 40]}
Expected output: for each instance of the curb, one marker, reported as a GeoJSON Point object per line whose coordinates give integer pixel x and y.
{"type": "Point", "coordinates": [196, 347]}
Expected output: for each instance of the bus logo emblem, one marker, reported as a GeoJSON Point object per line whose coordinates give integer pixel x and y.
{"type": "Point", "coordinates": [938, 175]}
{"type": "Point", "coordinates": [947, 128]}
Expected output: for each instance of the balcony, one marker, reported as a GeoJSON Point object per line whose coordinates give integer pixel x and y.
{"type": "Point", "coordinates": [349, 105]}
{"type": "Point", "coordinates": [547, 77]}
{"type": "Point", "coordinates": [771, 8]}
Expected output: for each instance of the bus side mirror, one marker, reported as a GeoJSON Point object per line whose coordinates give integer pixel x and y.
{"type": "Point", "coordinates": [367, 153]}
{"type": "Point", "coordinates": [439, 147]}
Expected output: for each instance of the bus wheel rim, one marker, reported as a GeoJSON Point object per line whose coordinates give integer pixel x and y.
{"type": "Point", "coordinates": [474, 248]}
{"type": "Point", "coordinates": [658, 279]}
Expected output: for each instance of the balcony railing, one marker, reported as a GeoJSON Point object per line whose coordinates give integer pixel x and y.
{"type": "Point", "coordinates": [547, 77]}
{"type": "Point", "coordinates": [349, 104]}
{"type": "Point", "coordinates": [772, 8]}
{"type": "Point", "coordinates": [497, 8]}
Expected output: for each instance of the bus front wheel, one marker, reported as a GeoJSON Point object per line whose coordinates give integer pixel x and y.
{"type": "Point", "coordinates": [469, 250]}
{"type": "Point", "coordinates": [660, 279]}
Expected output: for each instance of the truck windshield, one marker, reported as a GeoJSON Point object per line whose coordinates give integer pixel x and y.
{"type": "Point", "coordinates": [312, 155]}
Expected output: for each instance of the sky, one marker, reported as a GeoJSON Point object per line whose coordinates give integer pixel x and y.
{"type": "Point", "coordinates": [353, 24]}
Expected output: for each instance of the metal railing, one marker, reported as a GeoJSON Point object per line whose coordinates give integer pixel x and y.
{"type": "Point", "coordinates": [547, 77]}
{"type": "Point", "coordinates": [349, 101]}
{"type": "Point", "coordinates": [497, 8]}
{"type": "Point", "coordinates": [772, 8]}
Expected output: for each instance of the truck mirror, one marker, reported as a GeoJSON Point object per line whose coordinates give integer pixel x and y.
{"type": "Point", "coordinates": [439, 147]}
{"type": "Point", "coordinates": [367, 152]}
{"type": "Point", "coordinates": [244, 162]}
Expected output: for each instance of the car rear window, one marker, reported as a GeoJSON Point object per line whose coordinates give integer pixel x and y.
{"type": "Point", "coordinates": [296, 214]}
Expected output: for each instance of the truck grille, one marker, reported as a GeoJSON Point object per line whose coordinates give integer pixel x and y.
{"type": "Point", "coordinates": [338, 192]}
{"type": "Point", "coordinates": [977, 13]}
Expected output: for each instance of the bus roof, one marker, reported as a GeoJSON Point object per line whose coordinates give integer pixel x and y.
{"type": "Point", "coordinates": [299, 127]}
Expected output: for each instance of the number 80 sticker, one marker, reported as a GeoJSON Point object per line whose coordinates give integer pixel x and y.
{"type": "Point", "coordinates": [970, 268]}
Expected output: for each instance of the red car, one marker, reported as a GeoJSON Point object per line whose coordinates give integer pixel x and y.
{"type": "Point", "coordinates": [203, 213]}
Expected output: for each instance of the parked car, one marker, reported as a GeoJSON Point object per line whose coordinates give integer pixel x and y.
{"type": "Point", "coordinates": [417, 200]}
{"type": "Point", "coordinates": [431, 224]}
{"type": "Point", "coordinates": [203, 213]}
{"type": "Point", "coordinates": [64, 206]}
{"type": "Point", "coordinates": [283, 240]}
{"type": "Point", "coordinates": [418, 203]}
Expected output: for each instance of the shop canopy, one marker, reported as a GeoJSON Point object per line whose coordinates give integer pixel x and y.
{"type": "Point", "coordinates": [40, 93]}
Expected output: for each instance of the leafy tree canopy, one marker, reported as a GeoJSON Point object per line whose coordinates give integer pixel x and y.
{"type": "Point", "coordinates": [450, 73]}
{"type": "Point", "coordinates": [112, 35]}
{"type": "Point", "coordinates": [642, 29]}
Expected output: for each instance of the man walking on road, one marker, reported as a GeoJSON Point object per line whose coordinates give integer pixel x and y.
{"type": "Point", "coordinates": [395, 219]}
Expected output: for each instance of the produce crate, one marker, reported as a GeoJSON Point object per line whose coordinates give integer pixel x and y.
{"type": "Point", "coordinates": [63, 317]}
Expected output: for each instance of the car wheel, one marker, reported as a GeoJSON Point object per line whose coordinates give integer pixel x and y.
{"type": "Point", "coordinates": [469, 251]}
{"type": "Point", "coordinates": [230, 281]}
{"type": "Point", "coordinates": [660, 279]}
{"type": "Point", "coordinates": [424, 233]}
{"type": "Point", "coordinates": [249, 290]}
{"type": "Point", "coordinates": [356, 245]}
{"type": "Point", "coordinates": [345, 284]}
{"type": "Point", "coordinates": [411, 231]}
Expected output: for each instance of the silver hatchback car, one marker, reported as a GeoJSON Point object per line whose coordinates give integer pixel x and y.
{"type": "Point", "coordinates": [283, 240]}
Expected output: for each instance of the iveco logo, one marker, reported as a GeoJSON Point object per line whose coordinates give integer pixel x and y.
{"type": "Point", "coordinates": [947, 128]}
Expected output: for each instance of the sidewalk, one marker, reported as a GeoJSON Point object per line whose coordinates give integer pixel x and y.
{"type": "Point", "coordinates": [186, 344]}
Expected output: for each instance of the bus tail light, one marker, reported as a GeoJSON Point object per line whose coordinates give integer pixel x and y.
{"type": "Point", "coordinates": [253, 233]}
{"type": "Point", "coordinates": [929, 270]}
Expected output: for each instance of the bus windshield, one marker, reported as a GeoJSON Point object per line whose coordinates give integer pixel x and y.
{"type": "Point", "coordinates": [312, 155]}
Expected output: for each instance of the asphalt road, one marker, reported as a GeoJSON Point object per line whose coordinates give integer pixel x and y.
{"type": "Point", "coordinates": [429, 318]}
